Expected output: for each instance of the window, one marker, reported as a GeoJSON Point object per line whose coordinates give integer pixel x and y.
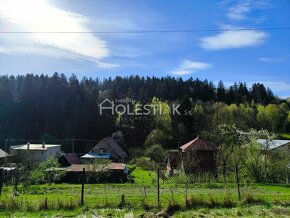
{"type": "Point", "coordinates": [103, 150]}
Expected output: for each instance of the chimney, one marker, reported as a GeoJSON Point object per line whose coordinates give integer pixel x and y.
{"type": "Point", "coordinates": [43, 144]}
{"type": "Point", "coordinates": [28, 145]}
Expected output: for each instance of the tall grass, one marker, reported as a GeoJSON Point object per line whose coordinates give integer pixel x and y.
{"type": "Point", "coordinates": [15, 204]}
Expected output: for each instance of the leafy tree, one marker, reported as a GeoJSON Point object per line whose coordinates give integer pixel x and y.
{"type": "Point", "coordinates": [287, 123]}
{"type": "Point", "coordinates": [98, 169]}
{"type": "Point", "coordinates": [46, 172]}
{"type": "Point", "coordinates": [279, 171]}
{"type": "Point", "coordinates": [221, 92]}
{"type": "Point", "coordinates": [34, 105]}
{"type": "Point", "coordinates": [119, 138]}
{"type": "Point", "coordinates": [227, 145]}
{"type": "Point", "coordinates": [144, 162]}
{"type": "Point", "coordinates": [156, 153]}
{"type": "Point", "coordinates": [157, 136]}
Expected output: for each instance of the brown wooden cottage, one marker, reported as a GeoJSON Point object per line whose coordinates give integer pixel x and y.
{"type": "Point", "coordinates": [196, 156]}
{"type": "Point", "coordinates": [112, 172]}
{"type": "Point", "coordinates": [68, 159]}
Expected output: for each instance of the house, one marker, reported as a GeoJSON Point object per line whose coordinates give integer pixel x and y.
{"type": "Point", "coordinates": [196, 156]}
{"type": "Point", "coordinates": [68, 159]}
{"type": "Point", "coordinates": [3, 156]}
{"type": "Point", "coordinates": [36, 153]}
{"type": "Point", "coordinates": [112, 172]}
{"type": "Point", "coordinates": [275, 145]}
{"type": "Point", "coordinates": [7, 170]}
{"type": "Point", "coordinates": [107, 148]}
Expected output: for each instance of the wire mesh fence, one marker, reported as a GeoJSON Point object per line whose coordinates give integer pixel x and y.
{"type": "Point", "coordinates": [157, 191]}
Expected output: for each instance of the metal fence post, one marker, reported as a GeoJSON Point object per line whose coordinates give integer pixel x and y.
{"type": "Point", "coordinates": [1, 180]}
{"type": "Point", "coordinates": [238, 181]}
{"type": "Point", "coordinates": [158, 187]}
{"type": "Point", "coordinates": [83, 186]}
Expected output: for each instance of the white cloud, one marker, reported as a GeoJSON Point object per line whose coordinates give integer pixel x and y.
{"type": "Point", "coordinates": [233, 39]}
{"type": "Point", "coordinates": [106, 65]}
{"type": "Point", "coordinates": [188, 67]}
{"type": "Point", "coordinates": [241, 10]}
{"type": "Point", "coordinates": [285, 97]}
{"type": "Point", "coordinates": [4, 50]}
{"type": "Point", "coordinates": [194, 65]}
{"type": "Point", "coordinates": [271, 60]}
{"type": "Point", "coordinates": [38, 16]}
{"type": "Point", "coordinates": [277, 86]}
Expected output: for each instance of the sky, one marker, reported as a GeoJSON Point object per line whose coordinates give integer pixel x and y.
{"type": "Point", "coordinates": [102, 39]}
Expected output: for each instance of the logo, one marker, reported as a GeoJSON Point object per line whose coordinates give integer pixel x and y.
{"type": "Point", "coordinates": [130, 106]}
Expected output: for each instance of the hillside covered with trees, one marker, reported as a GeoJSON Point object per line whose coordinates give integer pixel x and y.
{"type": "Point", "coordinates": [34, 106]}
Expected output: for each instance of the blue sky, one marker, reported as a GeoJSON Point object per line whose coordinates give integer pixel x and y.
{"type": "Point", "coordinates": [231, 56]}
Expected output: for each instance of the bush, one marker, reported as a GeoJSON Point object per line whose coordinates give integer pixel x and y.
{"type": "Point", "coordinates": [250, 199]}
{"type": "Point", "coordinates": [144, 162]}
{"type": "Point", "coordinates": [46, 172]}
{"type": "Point", "coordinates": [156, 153]}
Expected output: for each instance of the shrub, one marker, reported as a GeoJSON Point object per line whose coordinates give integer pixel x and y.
{"type": "Point", "coordinates": [250, 199]}
{"type": "Point", "coordinates": [156, 153]}
{"type": "Point", "coordinates": [144, 162]}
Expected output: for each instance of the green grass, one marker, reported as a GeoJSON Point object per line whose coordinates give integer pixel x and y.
{"type": "Point", "coordinates": [245, 211]}
{"type": "Point", "coordinates": [144, 177]}
{"type": "Point", "coordinates": [240, 211]}
{"type": "Point", "coordinates": [141, 196]}
{"type": "Point", "coordinates": [285, 136]}
{"type": "Point", "coordinates": [79, 212]}
{"type": "Point", "coordinates": [67, 196]}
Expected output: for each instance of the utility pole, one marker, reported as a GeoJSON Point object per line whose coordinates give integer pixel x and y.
{"type": "Point", "coordinates": [6, 141]}
{"type": "Point", "coordinates": [83, 186]}
{"type": "Point", "coordinates": [73, 145]}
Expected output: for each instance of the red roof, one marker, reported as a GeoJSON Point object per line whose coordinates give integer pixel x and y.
{"type": "Point", "coordinates": [117, 166]}
{"type": "Point", "coordinates": [115, 146]}
{"type": "Point", "coordinates": [72, 158]}
{"type": "Point", "coordinates": [96, 168]}
{"type": "Point", "coordinates": [198, 144]}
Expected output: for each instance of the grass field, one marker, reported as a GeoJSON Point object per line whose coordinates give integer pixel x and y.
{"type": "Point", "coordinates": [241, 211]}
{"type": "Point", "coordinates": [141, 197]}
{"type": "Point", "coordinates": [285, 136]}
{"type": "Point", "coordinates": [66, 197]}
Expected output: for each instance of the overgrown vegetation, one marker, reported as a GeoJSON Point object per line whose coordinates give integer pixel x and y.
{"type": "Point", "coordinates": [51, 108]}
{"type": "Point", "coordinates": [141, 195]}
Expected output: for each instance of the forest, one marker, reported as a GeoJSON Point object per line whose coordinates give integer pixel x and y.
{"type": "Point", "coordinates": [38, 107]}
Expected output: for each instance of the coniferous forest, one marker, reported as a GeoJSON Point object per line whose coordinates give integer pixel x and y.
{"type": "Point", "coordinates": [57, 107]}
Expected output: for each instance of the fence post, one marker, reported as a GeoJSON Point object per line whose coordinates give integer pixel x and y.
{"type": "Point", "coordinates": [83, 186]}
{"type": "Point", "coordinates": [186, 193]}
{"type": "Point", "coordinates": [1, 180]}
{"type": "Point", "coordinates": [123, 202]}
{"type": "Point", "coordinates": [45, 204]}
{"type": "Point", "coordinates": [238, 181]}
{"type": "Point", "coordinates": [158, 187]}
{"type": "Point", "coordinates": [73, 145]}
